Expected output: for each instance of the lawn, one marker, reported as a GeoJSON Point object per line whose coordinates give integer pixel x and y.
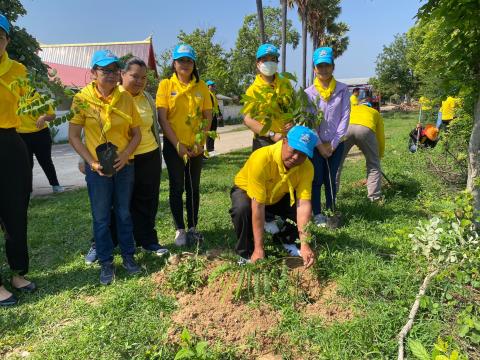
{"type": "Point", "coordinates": [371, 284]}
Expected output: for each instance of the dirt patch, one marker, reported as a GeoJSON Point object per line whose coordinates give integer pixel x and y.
{"type": "Point", "coordinates": [212, 314]}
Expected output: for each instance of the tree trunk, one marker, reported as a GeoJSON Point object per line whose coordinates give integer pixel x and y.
{"type": "Point", "coordinates": [284, 35]}
{"type": "Point", "coordinates": [474, 157]}
{"type": "Point", "coordinates": [304, 45]}
{"type": "Point", "coordinates": [315, 42]}
{"type": "Point", "coordinates": [261, 22]}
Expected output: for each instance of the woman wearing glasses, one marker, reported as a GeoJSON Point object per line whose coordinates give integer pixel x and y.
{"type": "Point", "coordinates": [183, 101]}
{"type": "Point", "coordinates": [108, 115]}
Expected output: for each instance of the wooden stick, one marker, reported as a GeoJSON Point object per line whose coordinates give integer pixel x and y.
{"type": "Point", "coordinates": [413, 311]}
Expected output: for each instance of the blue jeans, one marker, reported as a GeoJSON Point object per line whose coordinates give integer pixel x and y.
{"type": "Point", "coordinates": [105, 193]}
{"type": "Point", "coordinates": [321, 177]}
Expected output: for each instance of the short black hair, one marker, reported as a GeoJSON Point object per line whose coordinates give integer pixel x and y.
{"type": "Point", "coordinates": [355, 90]}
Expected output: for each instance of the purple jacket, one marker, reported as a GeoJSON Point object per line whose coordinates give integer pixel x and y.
{"type": "Point", "coordinates": [336, 114]}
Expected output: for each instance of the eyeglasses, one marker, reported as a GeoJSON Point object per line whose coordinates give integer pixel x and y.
{"type": "Point", "coordinates": [185, 60]}
{"type": "Point", "coordinates": [106, 71]}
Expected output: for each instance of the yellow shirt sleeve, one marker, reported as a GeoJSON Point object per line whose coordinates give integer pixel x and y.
{"type": "Point", "coordinates": [256, 186]}
{"type": "Point", "coordinates": [207, 100]}
{"type": "Point", "coordinates": [353, 100]}
{"type": "Point", "coordinates": [163, 95]}
{"type": "Point", "coordinates": [304, 188]}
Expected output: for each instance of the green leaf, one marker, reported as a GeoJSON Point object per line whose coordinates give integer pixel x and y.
{"type": "Point", "coordinates": [184, 354]}
{"type": "Point", "coordinates": [418, 350]}
{"type": "Point", "coordinates": [464, 330]}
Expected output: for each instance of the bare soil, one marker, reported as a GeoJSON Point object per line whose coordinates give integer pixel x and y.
{"type": "Point", "coordinates": [212, 314]}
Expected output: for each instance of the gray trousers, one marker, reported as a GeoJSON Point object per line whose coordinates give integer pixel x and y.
{"type": "Point", "coordinates": [366, 141]}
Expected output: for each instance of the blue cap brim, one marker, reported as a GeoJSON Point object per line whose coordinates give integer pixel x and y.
{"type": "Point", "coordinates": [106, 62]}
{"type": "Point", "coordinates": [302, 148]}
{"type": "Point", "coordinates": [324, 61]}
{"type": "Point", "coordinates": [184, 55]}
{"type": "Point", "coordinates": [5, 29]}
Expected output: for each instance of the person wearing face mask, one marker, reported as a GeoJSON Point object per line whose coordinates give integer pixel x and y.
{"type": "Point", "coordinates": [333, 99]}
{"type": "Point", "coordinates": [108, 113]}
{"type": "Point", "coordinates": [267, 65]}
{"type": "Point", "coordinates": [15, 177]}
{"type": "Point", "coordinates": [182, 102]}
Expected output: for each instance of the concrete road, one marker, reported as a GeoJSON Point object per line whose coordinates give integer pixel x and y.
{"type": "Point", "coordinates": [232, 137]}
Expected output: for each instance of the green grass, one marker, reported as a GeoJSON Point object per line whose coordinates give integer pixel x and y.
{"type": "Point", "coordinates": [73, 317]}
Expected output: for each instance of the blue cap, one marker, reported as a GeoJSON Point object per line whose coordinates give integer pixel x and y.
{"type": "Point", "coordinates": [103, 58]}
{"type": "Point", "coordinates": [267, 49]}
{"type": "Point", "coordinates": [184, 50]}
{"type": "Point", "coordinates": [323, 55]}
{"type": "Point", "coordinates": [303, 139]}
{"type": "Point", "coordinates": [210, 82]}
{"type": "Point", "coordinates": [4, 24]}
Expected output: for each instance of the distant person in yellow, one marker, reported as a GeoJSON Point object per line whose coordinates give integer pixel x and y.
{"type": "Point", "coordinates": [354, 97]}
{"type": "Point", "coordinates": [15, 177]}
{"type": "Point", "coordinates": [277, 178]}
{"type": "Point", "coordinates": [107, 113]}
{"type": "Point", "coordinates": [367, 132]}
{"type": "Point", "coordinates": [425, 106]}
{"type": "Point", "coordinates": [36, 135]}
{"type": "Point", "coordinates": [448, 110]}
{"type": "Point", "coordinates": [182, 102]}
{"type": "Point", "coordinates": [216, 117]}
{"type": "Point", "coordinates": [267, 75]}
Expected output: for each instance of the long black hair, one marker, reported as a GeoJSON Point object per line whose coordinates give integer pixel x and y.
{"type": "Point", "coordinates": [194, 73]}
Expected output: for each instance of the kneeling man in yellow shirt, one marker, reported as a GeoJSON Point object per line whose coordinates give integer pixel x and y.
{"type": "Point", "coordinates": [278, 179]}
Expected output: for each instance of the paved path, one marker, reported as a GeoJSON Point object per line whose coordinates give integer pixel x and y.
{"type": "Point", "coordinates": [232, 137]}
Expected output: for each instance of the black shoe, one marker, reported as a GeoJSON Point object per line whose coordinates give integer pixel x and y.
{"type": "Point", "coordinates": [157, 249]}
{"type": "Point", "coordinates": [130, 265]}
{"type": "Point", "coordinates": [194, 237]}
{"type": "Point", "coordinates": [12, 300]}
{"type": "Point", "coordinates": [107, 273]}
{"type": "Point", "coordinates": [30, 288]}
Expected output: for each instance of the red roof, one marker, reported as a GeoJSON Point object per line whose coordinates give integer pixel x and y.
{"type": "Point", "coordinates": [72, 61]}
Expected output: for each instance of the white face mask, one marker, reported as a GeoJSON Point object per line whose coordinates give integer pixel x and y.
{"type": "Point", "coordinates": [268, 68]}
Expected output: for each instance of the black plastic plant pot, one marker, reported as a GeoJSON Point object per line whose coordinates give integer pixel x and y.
{"type": "Point", "coordinates": [107, 153]}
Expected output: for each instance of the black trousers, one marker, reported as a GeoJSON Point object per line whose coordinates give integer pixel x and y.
{"type": "Point", "coordinates": [261, 141]}
{"type": "Point", "coordinates": [241, 213]}
{"type": "Point", "coordinates": [15, 186]}
{"type": "Point", "coordinates": [144, 204]}
{"type": "Point", "coordinates": [210, 141]}
{"type": "Point", "coordinates": [40, 144]}
{"type": "Point", "coordinates": [183, 177]}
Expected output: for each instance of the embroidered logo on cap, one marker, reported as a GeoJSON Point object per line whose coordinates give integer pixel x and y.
{"type": "Point", "coordinates": [323, 53]}
{"type": "Point", "coordinates": [305, 138]}
{"type": "Point", "coordinates": [109, 54]}
{"type": "Point", "coordinates": [183, 49]}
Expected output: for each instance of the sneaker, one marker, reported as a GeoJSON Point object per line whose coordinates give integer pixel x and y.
{"type": "Point", "coordinates": [194, 237]}
{"type": "Point", "coordinates": [130, 265]}
{"type": "Point", "coordinates": [91, 256]}
{"type": "Point", "coordinates": [271, 227]}
{"type": "Point", "coordinates": [292, 250]}
{"type": "Point", "coordinates": [107, 273]}
{"type": "Point", "coordinates": [181, 237]}
{"type": "Point", "coordinates": [156, 249]}
{"type": "Point", "coordinates": [320, 220]}
{"type": "Point", "coordinates": [212, 153]}
{"type": "Point", "coordinates": [10, 301]}
{"type": "Point", "coordinates": [58, 189]}
{"type": "Point", "coordinates": [243, 261]}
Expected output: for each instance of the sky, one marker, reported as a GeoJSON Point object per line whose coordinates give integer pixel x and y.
{"type": "Point", "coordinates": [373, 24]}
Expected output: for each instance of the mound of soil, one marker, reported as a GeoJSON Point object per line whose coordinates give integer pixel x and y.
{"type": "Point", "coordinates": [212, 314]}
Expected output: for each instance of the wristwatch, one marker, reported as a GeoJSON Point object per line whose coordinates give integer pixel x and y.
{"type": "Point", "coordinates": [270, 134]}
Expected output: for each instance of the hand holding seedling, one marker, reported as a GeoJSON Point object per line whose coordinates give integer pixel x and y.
{"type": "Point", "coordinates": [95, 166]}
{"type": "Point", "coordinates": [258, 254]}
{"type": "Point", "coordinates": [325, 149]}
{"type": "Point", "coordinates": [308, 255]}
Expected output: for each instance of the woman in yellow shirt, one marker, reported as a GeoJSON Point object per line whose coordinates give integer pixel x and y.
{"type": "Point", "coordinates": [107, 113]}
{"type": "Point", "coordinates": [15, 177]}
{"type": "Point", "coordinates": [182, 102]}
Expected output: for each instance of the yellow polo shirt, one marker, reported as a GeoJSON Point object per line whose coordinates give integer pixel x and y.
{"type": "Point", "coordinates": [282, 86]}
{"type": "Point", "coordinates": [178, 107]}
{"type": "Point", "coordinates": [264, 170]}
{"type": "Point", "coordinates": [448, 108]}
{"type": "Point", "coordinates": [425, 103]}
{"type": "Point", "coordinates": [353, 100]}
{"type": "Point", "coordinates": [9, 98]}
{"type": "Point", "coordinates": [148, 143]}
{"type": "Point", "coordinates": [93, 118]}
{"type": "Point", "coordinates": [29, 122]}
{"type": "Point", "coordinates": [366, 116]}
